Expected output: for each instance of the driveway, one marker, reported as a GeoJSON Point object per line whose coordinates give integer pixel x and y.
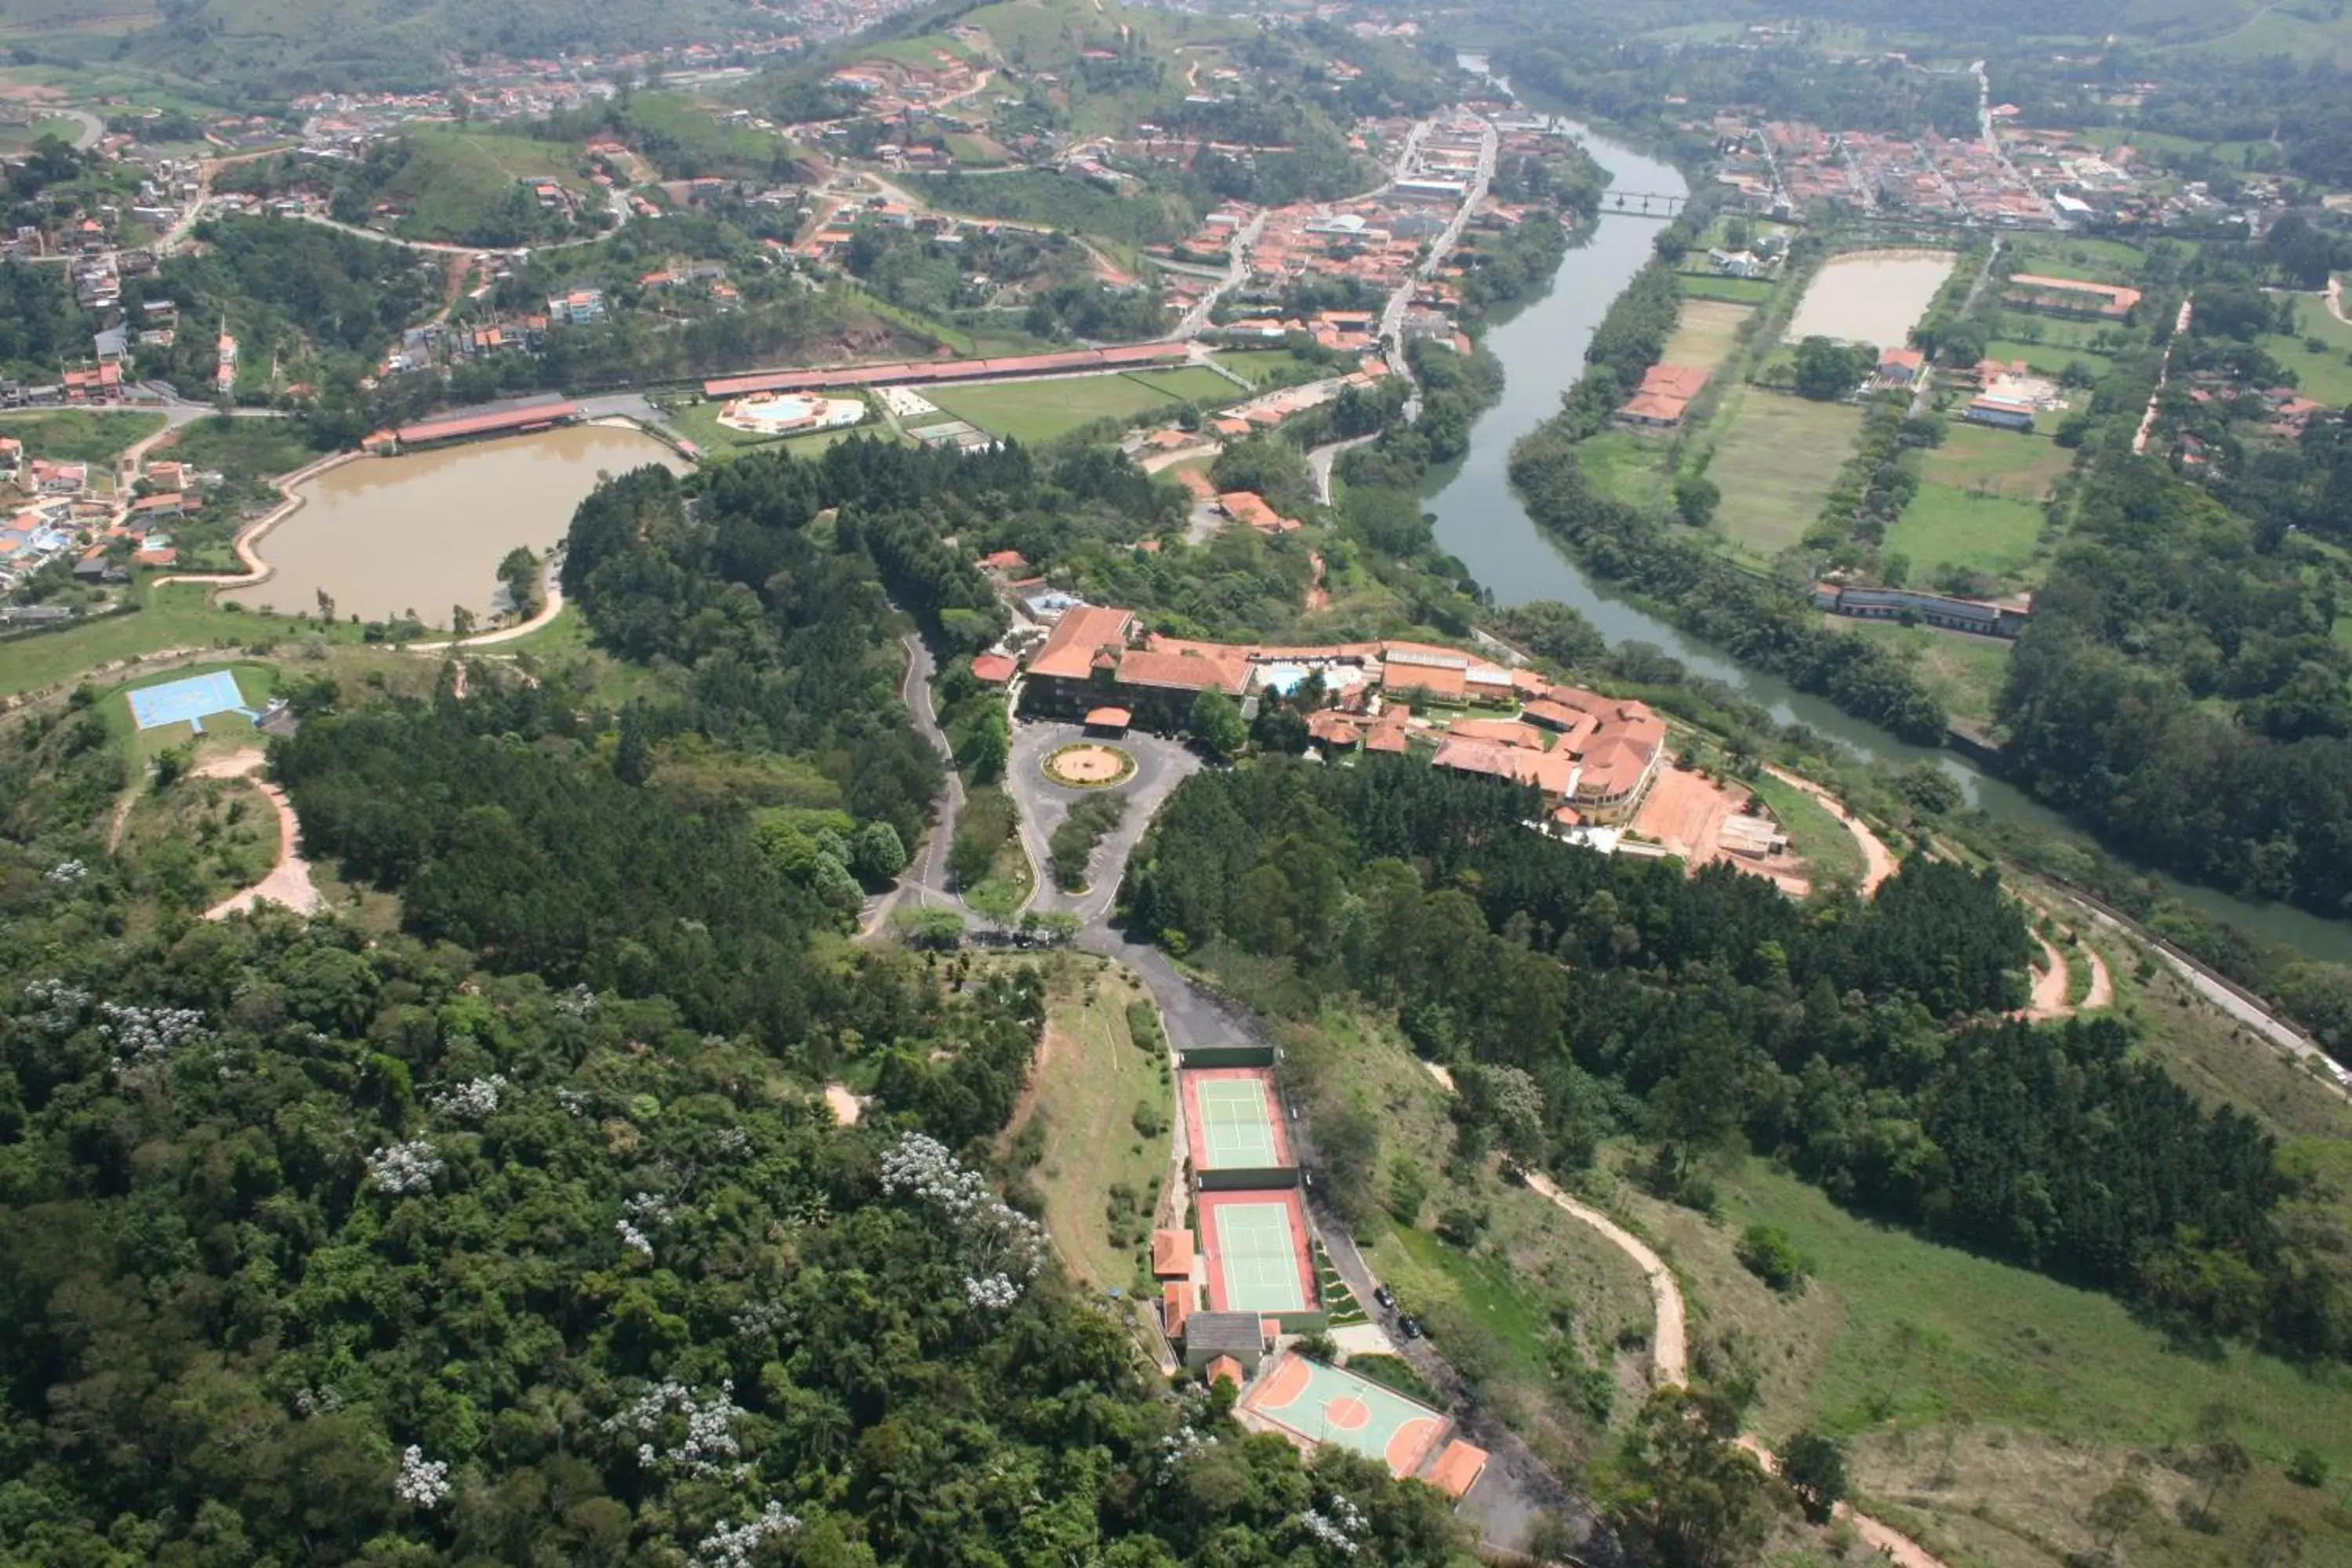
{"type": "Point", "coordinates": [1159, 766]}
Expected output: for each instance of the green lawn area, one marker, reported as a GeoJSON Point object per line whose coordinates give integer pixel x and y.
{"type": "Point", "coordinates": [2050, 359]}
{"type": "Point", "coordinates": [78, 434]}
{"type": "Point", "coordinates": [1089, 1079]}
{"type": "Point", "coordinates": [1956, 1376]}
{"type": "Point", "coordinates": [1962, 672]}
{"type": "Point", "coordinates": [696, 133]}
{"type": "Point", "coordinates": [1944, 527]}
{"type": "Point", "coordinates": [921, 52]}
{"type": "Point", "coordinates": [2069, 256]}
{"type": "Point", "coordinates": [455, 177]}
{"type": "Point", "coordinates": [1706, 333]}
{"type": "Point", "coordinates": [241, 448]}
{"type": "Point", "coordinates": [1738, 290]}
{"type": "Point", "coordinates": [179, 616]}
{"type": "Point", "coordinates": [969, 151]}
{"type": "Point", "coordinates": [2011, 463]}
{"type": "Point", "coordinates": [1626, 465]}
{"type": "Point", "coordinates": [1813, 834]}
{"type": "Point", "coordinates": [1259, 366]}
{"type": "Point", "coordinates": [1035, 411]}
{"type": "Point", "coordinates": [2324, 375]}
{"type": "Point", "coordinates": [1189, 383]}
{"type": "Point", "coordinates": [1775, 461]}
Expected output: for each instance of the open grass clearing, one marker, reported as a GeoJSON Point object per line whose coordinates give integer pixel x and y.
{"type": "Point", "coordinates": [78, 434]}
{"type": "Point", "coordinates": [1821, 840]}
{"type": "Point", "coordinates": [1085, 1089]}
{"type": "Point", "coordinates": [2050, 359]}
{"type": "Point", "coordinates": [2323, 374]}
{"type": "Point", "coordinates": [1942, 527]}
{"type": "Point", "coordinates": [1956, 1378]}
{"type": "Point", "coordinates": [1775, 462]}
{"type": "Point", "coordinates": [1190, 383]}
{"type": "Point", "coordinates": [178, 616]}
{"type": "Point", "coordinates": [455, 178]}
{"type": "Point", "coordinates": [223, 731]}
{"type": "Point", "coordinates": [1977, 458]}
{"type": "Point", "coordinates": [1626, 465]}
{"type": "Point", "coordinates": [2071, 256]}
{"type": "Point", "coordinates": [1734, 290]}
{"type": "Point", "coordinates": [1964, 673]}
{"type": "Point", "coordinates": [1260, 366]}
{"type": "Point", "coordinates": [1034, 411]}
{"type": "Point", "coordinates": [1706, 333]}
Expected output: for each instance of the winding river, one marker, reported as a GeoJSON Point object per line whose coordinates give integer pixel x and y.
{"type": "Point", "coordinates": [1481, 521]}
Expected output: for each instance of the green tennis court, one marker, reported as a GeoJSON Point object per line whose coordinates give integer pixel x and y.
{"type": "Point", "coordinates": [1236, 1126]}
{"type": "Point", "coordinates": [1257, 1258]}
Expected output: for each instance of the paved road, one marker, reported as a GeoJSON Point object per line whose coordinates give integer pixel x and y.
{"type": "Point", "coordinates": [1159, 766]}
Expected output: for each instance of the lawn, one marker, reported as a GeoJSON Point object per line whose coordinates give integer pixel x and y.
{"type": "Point", "coordinates": [243, 448]}
{"type": "Point", "coordinates": [1260, 367]}
{"type": "Point", "coordinates": [456, 177]}
{"type": "Point", "coordinates": [1190, 383]}
{"type": "Point", "coordinates": [2050, 359]}
{"type": "Point", "coordinates": [1705, 334]}
{"type": "Point", "coordinates": [1962, 672]}
{"type": "Point", "coordinates": [2325, 374]}
{"type": "Point", "coordinates": [1821, 839]}
{"type": "Point", "coordinates": [1957, 1378]}
{"type": "Point", "coordinates": [1626, 465]}
{"type": "Point", "coordinates": [1944, 527]}
{"type": "Point", "coordinates": [78, 434]}
{"type": "Point", "coordinates": [1035, 411]}
{"type": "Point", "coordinates": [2093, 261]}
{"type": "Point", "coordinates": [1089, 1079]}
{"type": "Point", "coordinates": [2009, 463]}
{"type": "Point", "coordinates": [1775, 462]}
{"type": "Point", "coordinates": [1737, 290]}
{"type": "Point", "coordinates": [178, 616]}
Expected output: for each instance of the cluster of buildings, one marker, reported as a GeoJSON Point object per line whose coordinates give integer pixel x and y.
{"type": "Point", "coordinates": [104, 524]}
{"type": "Point", "coordinates": [1911, 605]}
{"type": "Point", "coordinates": [1593, 757]}
{"type": "Point", "coordinates": [1788, 168]}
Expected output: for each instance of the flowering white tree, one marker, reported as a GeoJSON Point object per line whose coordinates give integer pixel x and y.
{"type": "Point", "coordinates": [1003, 1249]}
{"type": "Point", "coordinates": [731, 1545]}
{"type": "Point", "coordinates": [422, 1481]}
{"type": "Point", "coordinates": [407, 1167]}
{"type": "Point", "coordinates": [1337, 1524]}
{"type": "Point", "coordinates": [679, 1429]}
{"type": "Point", "coordinates": [472, 1100]}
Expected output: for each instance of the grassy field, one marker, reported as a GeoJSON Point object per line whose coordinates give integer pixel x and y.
{"type": "Point", "coordinates": [2323, 374]}
{"type": "Point", "coordinates": [1946, 527]}
{"type": "Point", "coordinates": [1626, 465]}
{"type": "Point", "coordinates": [2068, 256]}
{"type": "Point", "coordinates": [1987, 1403]}
{"type": "Point", "coordinates": [702, 141]}
{"type": "Point", "coordinates": [455, 176]}
{"type": "Point", "coordinates": [1088, 1080]}
{"type": "Point", "coordinates": [1962, 672]}
{"type": "Point", "coordinates": [1737, 290]}
{"type": "Point", "coordinates": [1821, 839]}
{"type": "Point", "coordinates": [1775, 462]}
{"type": "Point", "coordinates": [1259, 366]}
{"type": "Point", "coordinates": [2050, 359]}
{"type": "Point", "coordinates": [1706, 333]}
{"type": "Point", "coordinates": [2008, 463]}
{"type": "Point", "coordinates": [78, 434]}
{"type": "Point", "coordinates": [1035, 411]}
{"type": "Point", "coordinates": [1189, 383]}
{"type": "Point", "coordinates": [178, 616]}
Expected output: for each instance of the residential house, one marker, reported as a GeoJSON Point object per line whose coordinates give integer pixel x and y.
{"type": "Point", "coordinates": [1666, 396]}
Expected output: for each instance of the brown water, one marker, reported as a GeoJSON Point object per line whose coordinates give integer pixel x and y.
{"type": "Point", "coordinates": [426, 530]}
{"type": "Point", "coordinates": [1873, 297]}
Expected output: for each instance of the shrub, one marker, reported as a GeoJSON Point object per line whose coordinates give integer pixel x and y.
{"type": "Point", "coordinates": [1772, 1257]}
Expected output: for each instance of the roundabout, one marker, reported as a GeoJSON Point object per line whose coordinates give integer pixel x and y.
{"type": "Point", "coordinates": [1089, 764]}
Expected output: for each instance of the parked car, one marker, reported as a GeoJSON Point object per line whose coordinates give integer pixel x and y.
{"type": "Point", "coordinates": [1409, 1327]}
{"type": "Point", "coordinates": [1385, 1297]}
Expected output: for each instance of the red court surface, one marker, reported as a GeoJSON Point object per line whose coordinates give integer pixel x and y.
{"type": "Point", "coordinates": [1311, 1403]}
{"type": "Point", "coordinates": [1233, 1120]}
{"type": "Point", "coordinates": [1258, 1257]}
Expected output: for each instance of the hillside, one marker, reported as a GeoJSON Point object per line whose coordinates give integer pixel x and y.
{"type": "Point", "coordinates": [275, 48]}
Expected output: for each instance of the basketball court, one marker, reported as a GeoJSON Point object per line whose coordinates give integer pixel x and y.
{"type": "Point", "coordinates": [1317, 1404]}
{"type": "Point", "coordinates": [1231, 1123]}
{"type": "Point", "coordinates": [189, 702]}
{"type": "Point", "coordinates": [1258, 1252]}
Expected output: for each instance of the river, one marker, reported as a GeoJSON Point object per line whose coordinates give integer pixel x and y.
{"type": "Point", "coordinates": [425, 531]}
{"type": "Point", "coordinates": [1481, 522]}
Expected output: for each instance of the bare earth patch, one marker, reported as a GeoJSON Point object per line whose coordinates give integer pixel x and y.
{"type": "Point", "coordinates": [1089, 766]}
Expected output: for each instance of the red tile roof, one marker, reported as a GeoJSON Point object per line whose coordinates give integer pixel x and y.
{"type": "Point", "coordinates": [995, 668]}
{"type": "Point", "coordinates": [1069, 651]}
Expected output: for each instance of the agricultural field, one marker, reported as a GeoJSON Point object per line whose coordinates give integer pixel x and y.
{"type": "Point", "coordinates": [1964, 673]}
{"type": "Point", "coordinates": [1706, 333]}
{"type": "Point", "coordinates": [1988, 534]}
{"type": "Point", "coordinates": [1089, 1094]}
{"type": "Point", "coordinates": [2323, 373]}
{"type": "Point", "coordinates": [1775, 461]}
{"type": "Point", "coordinates": [1035, 411]}
{"type": "Point", "coordinates": [78, 434]}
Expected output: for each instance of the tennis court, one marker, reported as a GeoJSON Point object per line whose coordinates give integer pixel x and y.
{"type": "Point", "coordinates": [1231, 1123]}
{"type": "Point", "coordinates": [1325, 1404]}
{"type": "Point", "coordinates": [188, 701]}
{"type": "Point", "coordinates": [1258, 1252]}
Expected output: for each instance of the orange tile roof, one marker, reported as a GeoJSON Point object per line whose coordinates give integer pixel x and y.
{"type": "Point", "coordinates": [1179, 1300]}
{"type": "Point", "coordinates": [1069, 651]}
{"type": "Point", "coordinates": [1435, 679]}
{"type": "Point", "coordinates": [1171, 1254]}
{"type": "Point", "coordinates": [1504, 731]}
{"type": "Point", "coordinates": [1186, 671]}
{"type": "Point", "coordinates": [1458, 1468]}
{"type": "Point", "coordinates": [995, 668]}
{"type": "Point", "coordinates": [1224, 1369]}
{"type": "Point", "coordinates": [1108, 718]}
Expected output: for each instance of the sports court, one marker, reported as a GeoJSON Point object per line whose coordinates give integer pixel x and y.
{"type": "Point", "coordinates": [189, 702]}
{"type": "Point", "coordinates": [1256, 1244]}
{"type": "Point", "coordinates": [1322, 1403]}
{"type": "Point", "coordinates": [1230, 1120]}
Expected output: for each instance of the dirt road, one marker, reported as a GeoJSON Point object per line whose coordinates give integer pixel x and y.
{"type": "Point", "coordinates": [1877, 860]}
{"type": "Point", "coordinates": [288, 882]}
